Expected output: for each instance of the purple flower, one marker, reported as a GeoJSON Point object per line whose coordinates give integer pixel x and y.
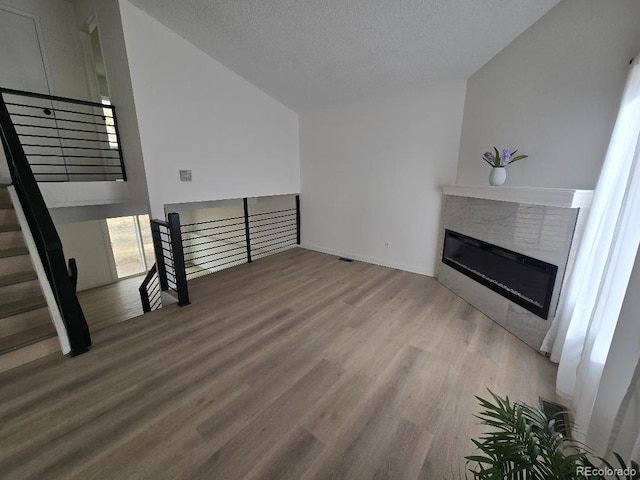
{"type": "Point", "coordinates": [489, 157]}
{"type": "Point", "coordinates": [506, 157]}
{"type": "Point", "coordinates": [499, 159]}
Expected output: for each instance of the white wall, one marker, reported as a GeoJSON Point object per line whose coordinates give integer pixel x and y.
{"type": "Point", "coordinates": [62, 56]}
{"type": "Point", "coordinates": [122, 97]}
{"type": "Point", "coordinates": [88, 243]}
{"type": "Point", "coordinates": [371, 173]}
{"type": "Point", "coordinates": [196, 114]}
{"type": "Point", "coordinates": [553, 93]}
{"type": "Point", "coordinates": [66, 74]}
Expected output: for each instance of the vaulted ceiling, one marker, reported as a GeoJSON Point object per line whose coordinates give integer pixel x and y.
{"type": "Point", "coordinates": [309, 54]}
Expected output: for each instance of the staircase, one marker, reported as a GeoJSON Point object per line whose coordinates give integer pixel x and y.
{"type": "Point", "coordinates": [26, 330]}
{"type": "Point", "coordinates": [24, 316]}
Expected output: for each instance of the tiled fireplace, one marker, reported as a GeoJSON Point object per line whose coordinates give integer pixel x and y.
{"type": "Point", "coordinates": [506, 250]}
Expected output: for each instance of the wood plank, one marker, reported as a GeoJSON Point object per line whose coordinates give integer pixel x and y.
{"type": "Point", "coordinates": [229, 462]}
{"type": "Point", "coordinates": [290, 459]}
{"type": "Point", "coordinates": [376, 436]}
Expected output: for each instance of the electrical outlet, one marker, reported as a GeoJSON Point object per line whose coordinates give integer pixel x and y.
{"type": "Point", "coordinates": [387, 245]}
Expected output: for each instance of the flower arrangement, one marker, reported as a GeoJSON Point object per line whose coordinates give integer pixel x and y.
{"type": "Point", "coordinates": [503, 160]}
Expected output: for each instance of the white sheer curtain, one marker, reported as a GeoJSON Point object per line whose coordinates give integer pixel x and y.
{"type": "Point", "coordinates": [581, 334]}
{"type": "Point", "coordinates": [615, 421]}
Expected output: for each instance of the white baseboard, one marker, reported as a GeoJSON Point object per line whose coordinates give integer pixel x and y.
{"type": "Point", "coordinates": [374, 261]}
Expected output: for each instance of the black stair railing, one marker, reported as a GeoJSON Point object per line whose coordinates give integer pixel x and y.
{"type": "Point", "coordinates": [184, 252]}
{"type": "Point", "coordinates": [45, 236]}
{"type": "Point", "coordinates": [167, 245]}
{"type": "Point", "coordinates": [150, 291]}
{"type": "Point", "coordinates": [65, 139]}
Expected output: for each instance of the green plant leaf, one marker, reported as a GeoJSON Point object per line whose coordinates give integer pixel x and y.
{"type": "Point", "coordinates": [497, 161]}
{"type": "Point", "coordinates": [519, 157]}
{"type": "Point", "coordinates": [524, 444]}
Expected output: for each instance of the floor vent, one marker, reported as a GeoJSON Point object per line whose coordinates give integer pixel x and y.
{"type": "Point", "coordinates": [560, 413]}
{"type": "Point", "coordinates": [348, 260]}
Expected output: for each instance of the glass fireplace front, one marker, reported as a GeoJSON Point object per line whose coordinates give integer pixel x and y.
{"type": "Point", "coordinates": [524, 280]}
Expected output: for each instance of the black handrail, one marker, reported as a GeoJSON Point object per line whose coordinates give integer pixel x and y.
{"type": "Point", "coordinates": [54, 98]}
{"type": "Point", "coordinates": [41, 123]}
{"type": "Point", "coordinates": [45, 236]}
{"type": "Point", "coordinates": [73, 273]}
{"type": "Point", "coordinates": [149, 296]}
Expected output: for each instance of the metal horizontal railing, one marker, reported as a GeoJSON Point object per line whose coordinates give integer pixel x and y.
{"type": "Point", "coordinates": [194, 249]}
{"type": "Point", "coordinates": [150, 291]}
{"type": "Point", "coordinates": [221, 243]}
{"type": "Point", "coordinates": [65, 139]}
{"type": "Point", "coordinates": [272, 231]}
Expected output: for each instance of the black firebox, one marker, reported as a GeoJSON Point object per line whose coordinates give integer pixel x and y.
{"type": "Point", "coordinates": [524, 280]}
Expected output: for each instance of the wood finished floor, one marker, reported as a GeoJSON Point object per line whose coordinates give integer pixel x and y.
{"type": "Point", "coordinates": [298, 366]}
{"type": "Point", "coordinates": [119, 301]}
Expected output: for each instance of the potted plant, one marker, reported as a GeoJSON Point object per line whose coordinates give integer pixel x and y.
{"type": "Point", "coordinates": [499, 162]}
{"type": "Point", "coordinates": [526, 444]}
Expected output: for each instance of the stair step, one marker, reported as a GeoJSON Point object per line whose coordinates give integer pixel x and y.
{"type": "Point", "coordinates": [20, 263]}
{"type": "Point", "coordinates": [24, 321]}
{"type": "Point", "coordinates": [5, 198]}
{"type": "Point", "coordinates": [8, 216]}
{"type": "Point", "coordinates": [28, 353]}
{"type": "Point", "coordinates": [22, 306]}
{"type": "Point", "coordinates": [18, 277]}
{"type": "Point", "coordinates": [11, 239]}
{"type": "Point", "coordinates": [17, 292]}
{"type": "Point", "coordinates": [26, 337]}
{"type": "Point", "coordinates": [13, 252]}
{"type": "Point", "coordinates": [10, 227]}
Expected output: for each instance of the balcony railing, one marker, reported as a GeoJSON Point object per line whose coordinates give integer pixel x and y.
{"type": "Point", "coordinates": [190, 250]}
{"type": "Point", "coordinates": [214, 245]}
{"type": "Point", "coordinates": [66, 140]}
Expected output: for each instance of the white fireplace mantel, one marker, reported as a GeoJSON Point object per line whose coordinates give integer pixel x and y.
{"type": "Point", "coordinates": [552, 197]}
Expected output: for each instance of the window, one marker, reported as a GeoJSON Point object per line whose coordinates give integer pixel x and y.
{"type": "Point", "coordinates": [131, 244]}
{"type": "Point", "coordinates": [109, 123]}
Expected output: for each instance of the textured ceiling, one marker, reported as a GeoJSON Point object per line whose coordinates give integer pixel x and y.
{"type": "Point", "coordinates": [309, 54]}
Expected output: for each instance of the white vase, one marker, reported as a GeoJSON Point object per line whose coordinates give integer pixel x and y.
{"type": "Point", "coordinates": [498, 176]}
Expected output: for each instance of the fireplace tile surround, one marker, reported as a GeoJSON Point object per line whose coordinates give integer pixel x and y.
{"type": "Point", "coordinates": [542, 223]}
